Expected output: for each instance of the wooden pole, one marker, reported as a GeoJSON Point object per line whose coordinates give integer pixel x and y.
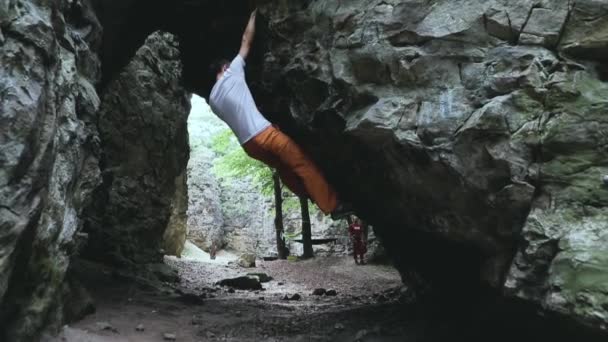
{"type": "Point", "coordinates": [306, 229]}
{"type": "Point", "coordinates": [278, 216]}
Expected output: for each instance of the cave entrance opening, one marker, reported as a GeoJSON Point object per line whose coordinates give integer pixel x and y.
{"type": "Point", "coordinates": [231, 233]}
{"type": "Point", "coordinates": [232, 202]}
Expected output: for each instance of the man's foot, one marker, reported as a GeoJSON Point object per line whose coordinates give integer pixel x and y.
{"type": "Point", "coordinates": [342, 211]}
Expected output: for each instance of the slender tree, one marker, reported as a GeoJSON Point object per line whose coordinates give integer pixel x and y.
{"type": "Point", "coordinates": [278, 215]}
{"type": "Point", "coordinates": [306, 228]}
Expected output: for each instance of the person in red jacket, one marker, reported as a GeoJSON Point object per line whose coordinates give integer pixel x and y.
{"type": "Point", "coordinates": [356, 232]}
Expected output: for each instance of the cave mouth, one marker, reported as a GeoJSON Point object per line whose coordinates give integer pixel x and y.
{"type": "Point", "coordinates": [232, 199]}
{"type": "Point", "coordinates": [244, 290]}
{"type": "Point", "coordinates": [468, 303]}
{"type": "Point", "coordinates": [232, 210]}
{"type": "Point", "coordinates": [184, 296]}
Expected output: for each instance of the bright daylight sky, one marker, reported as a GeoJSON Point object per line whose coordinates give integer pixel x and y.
{"type": "Point", "coordinates": [202, 123]}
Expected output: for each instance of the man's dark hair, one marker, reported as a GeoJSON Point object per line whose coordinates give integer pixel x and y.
{"type": "Point", "coordinates": [216, 66]}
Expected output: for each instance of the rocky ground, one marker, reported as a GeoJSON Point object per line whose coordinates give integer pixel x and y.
{"type": "Point", "coordinates": [369, 305]}
{"type": "Point", "coordinates": [365, 305]}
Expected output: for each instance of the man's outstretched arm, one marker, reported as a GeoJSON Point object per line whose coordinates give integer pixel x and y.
{"type": "Point", "coordinates": [248, 35]}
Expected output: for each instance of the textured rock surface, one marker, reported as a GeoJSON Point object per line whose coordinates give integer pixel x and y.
{"type": "Point", "coordinates": [177, 228]}
{"type": "Point", "coordinates": [48, 150]}
{"type": "Point", "coordinates": [205, 218]}
{"type": "Point", "coordinates": [142, 124]}
{"type": "Point", "coordinates": [475, 129]}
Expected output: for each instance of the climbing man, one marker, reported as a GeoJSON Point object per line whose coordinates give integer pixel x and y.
{"type": "Point", "coordinates": [356, 232]}
{"type": "Point", "coordinates": [231, 101]}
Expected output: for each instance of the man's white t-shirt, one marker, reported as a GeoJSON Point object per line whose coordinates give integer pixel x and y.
{"type": "Point", "coordinates": [231, 101]}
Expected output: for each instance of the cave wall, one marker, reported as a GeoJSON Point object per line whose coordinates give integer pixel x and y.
{"type": "Point", "coordinates": [57, 61]}
{"type": "Point", "coordinates": [67, 157]}
{"type": "Point", "coordinates": [49, 150]}
{"type": "Point", "coordinates": [472, 134]}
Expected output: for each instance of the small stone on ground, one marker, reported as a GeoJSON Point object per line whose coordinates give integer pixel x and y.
{"type": "Point", "coordinates": [243, 283]}
{"type": "Point", "coordinates": [169, 337]}
{"type": "Point", "coordinates": [105, 326]}
{"type": "Point", "coordinates": [319, 292]}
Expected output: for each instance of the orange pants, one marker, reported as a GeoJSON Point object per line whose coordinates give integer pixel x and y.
{"type": "Point", "coordinates": [297, 171]}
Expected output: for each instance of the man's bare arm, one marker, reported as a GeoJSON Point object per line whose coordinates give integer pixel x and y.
{"type": "Point", "coordinates": [248, 35]}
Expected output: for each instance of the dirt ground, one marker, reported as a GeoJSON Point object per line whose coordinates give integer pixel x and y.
{"type": "Point", "coordinates": [368, 307]}
{"type": "Point", "coordinates": [364, 308]}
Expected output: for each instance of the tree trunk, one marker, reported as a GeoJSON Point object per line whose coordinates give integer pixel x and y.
{"type": "Point", "coordinates": [278, 216]}
{"type": "Point", "coordinates": [306, 229]}
{"type": "Point", "coordinates": [365, 227]}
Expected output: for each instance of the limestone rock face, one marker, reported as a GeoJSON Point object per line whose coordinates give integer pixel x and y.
{"type": "Point", "coordinates": [48, 154]}
{"type": "Point", "coordinates": [51, 153]}
{"type": "Point", "coordinates": [475, 129]}
{"type": "Point", "coordinates": [205, 218]}
{"type": "Point", "coordinates": [143, 130]}
{"type": "Point", "coordinates": [177, 228]}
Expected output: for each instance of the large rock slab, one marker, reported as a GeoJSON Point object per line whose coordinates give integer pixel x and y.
{"type": "Point", "coordinates": [458, 130]}
{"type": "Point", "coordinates": [177, 228]}
{"type": "Point", "coordinates": [144, 137]}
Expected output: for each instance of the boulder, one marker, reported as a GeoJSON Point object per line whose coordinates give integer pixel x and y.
{"type": "Point", "coordinates": [242, 283]}
{"type": "Point", "coordinates": [140, 207]}
{"type": "Point", "coordinates": [264, 278]}
{"type": "Point", "coordinates": [319, 292]}
{"type": "Point", "coordinates": [246, 260]}
{"type": "Point", "coordinates": [169, 337]}
{"type": "Point", "coordinates": [462, 133]}
{"type": "Point", "coordinates": [294, 297]}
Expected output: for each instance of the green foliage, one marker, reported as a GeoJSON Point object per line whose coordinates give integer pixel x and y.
{"type": "Point", "coordinates": [233, 162]}
{"type": "Point", "coordinates": [292, 236]}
